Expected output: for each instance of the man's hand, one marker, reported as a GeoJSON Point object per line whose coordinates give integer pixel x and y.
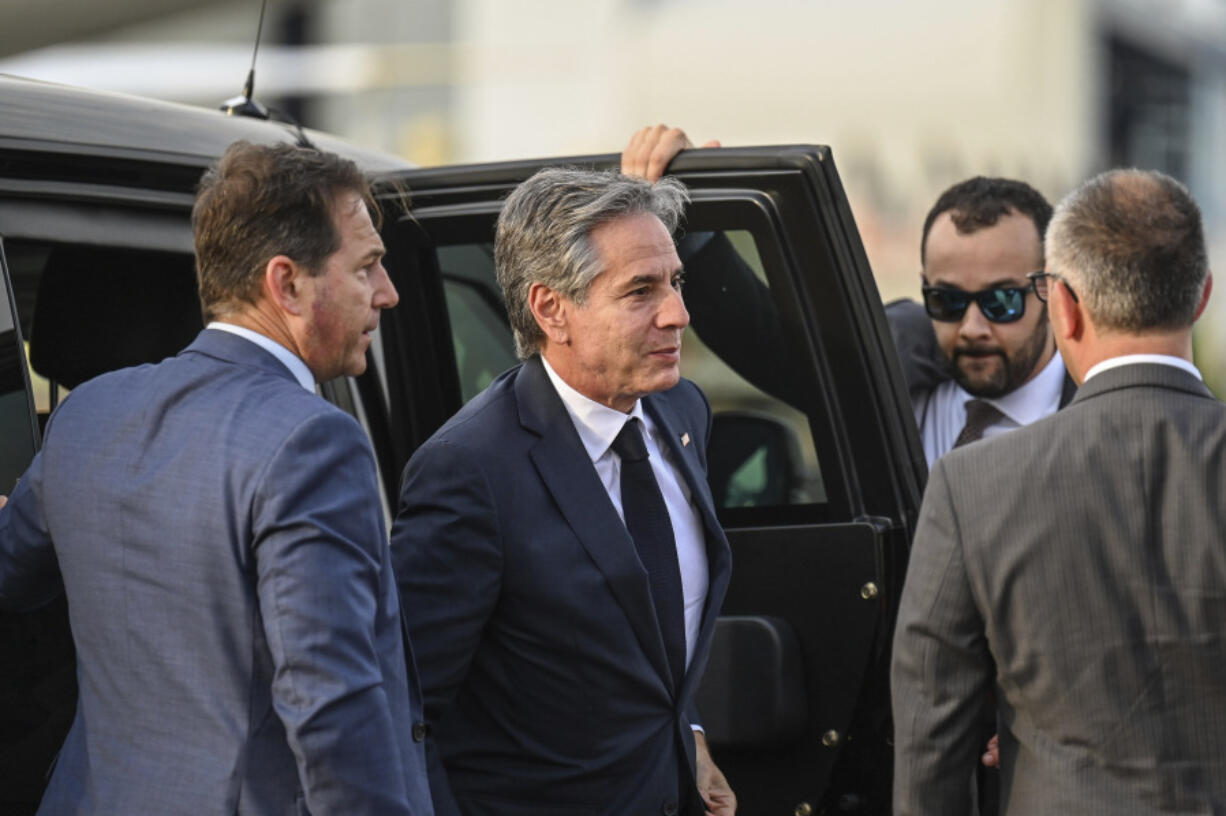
{"type": "Point", "coordinates": [4, 500]}
{"type": "Point", "coordinates": [652, 148]}
{"type": "Point", "coordinates": [991, 755]}
{"type": "Point", "coordinates": [718, 797]}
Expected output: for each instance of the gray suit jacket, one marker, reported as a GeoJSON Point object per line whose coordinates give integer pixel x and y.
{"type": "Point", "coordinates": [545, 676]}
{"type": "Point", "coordinates": [218, 533]}
{"type": "Point", "coordinates": [1079, 564]}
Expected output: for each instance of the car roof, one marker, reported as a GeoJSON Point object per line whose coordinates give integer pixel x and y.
{"type": "Point", "coordinates": [44, 116]}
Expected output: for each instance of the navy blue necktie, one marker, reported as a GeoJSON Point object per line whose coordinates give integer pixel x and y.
{"type": "Point", "coordinates": [648, 522]}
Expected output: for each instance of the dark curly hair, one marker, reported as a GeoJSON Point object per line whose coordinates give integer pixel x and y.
{"type": "Point", "coordinates": [980, 202]}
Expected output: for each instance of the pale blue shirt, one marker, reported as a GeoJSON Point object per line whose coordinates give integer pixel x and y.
{"type": "Point", "coordinates": [598, 425]}
{"type": "Point", "coordinates": [290, 360]}
{"type": "Point", "coordinates": [943, 415]}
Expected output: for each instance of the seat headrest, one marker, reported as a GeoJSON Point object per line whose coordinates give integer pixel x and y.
{"type": "Point", "coordinates": [101, 308]}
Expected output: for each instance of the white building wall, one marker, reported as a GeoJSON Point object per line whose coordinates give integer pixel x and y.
{"type": "Point", "coordinates": [911, 96]}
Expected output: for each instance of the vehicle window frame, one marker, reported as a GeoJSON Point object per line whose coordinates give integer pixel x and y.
{"type": "Point", "coordinates": [742, 209]}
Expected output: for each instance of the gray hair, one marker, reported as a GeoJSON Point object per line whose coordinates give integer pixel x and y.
{"type": "Point", "coordinates": [1132, 245]}
{"type": "Point", "coordinates": [544, 228]}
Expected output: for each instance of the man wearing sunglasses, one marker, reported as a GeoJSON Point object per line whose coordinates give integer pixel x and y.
{"type": "Point", "coordinates": [979, 337]}
{"type": "Point", "coordinates": [983, 362]}
{"type": "Point", "coordinates": [1085, 580]}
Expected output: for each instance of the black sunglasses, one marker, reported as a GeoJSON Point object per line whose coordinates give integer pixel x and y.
{"type": "Point", "coordinates": [1000, 304]}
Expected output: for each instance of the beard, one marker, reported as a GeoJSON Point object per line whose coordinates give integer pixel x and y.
{"type": "Point", "coordinates": [1011, 371]}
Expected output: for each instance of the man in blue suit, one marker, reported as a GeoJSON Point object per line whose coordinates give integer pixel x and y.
{"type": "Point", "coordinates": [556, 543]}
{"type": "Point", "coordinates": [217, 529]}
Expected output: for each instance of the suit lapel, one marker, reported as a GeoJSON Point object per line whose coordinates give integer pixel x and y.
{"type": "Point", "coordinates": [684, 455]}
{"type": "Point", "coordinates": [566, 470]}
{"type": "Point", "coordinates": [719, 556]}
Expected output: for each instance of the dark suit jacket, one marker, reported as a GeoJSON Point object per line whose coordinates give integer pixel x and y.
{"type": "Point", "coordinates": [239, 643]}
{"type": "Point", "coordinates": [1087, 579]}
{"type": "Point", "coordinates": [543, 667]}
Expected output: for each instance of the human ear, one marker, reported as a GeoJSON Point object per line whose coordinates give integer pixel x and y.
{"type": "Point", "coordinates": [282, 284]}
{"type": "Point", "coordinates": [1067, 321]}
{"type": "Point", "coordinates": [549, 309]}
{"type": "Point", "coordinates": [1204, 297]}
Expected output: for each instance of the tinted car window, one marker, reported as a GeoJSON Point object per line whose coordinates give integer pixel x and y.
{"type": "Point", "coordinates": [85, 310]}
{"type": "Point", "coordinates": [16, 431]}
{"type": "Point", "coordinates": [483, 344]}
{"type": "Point", "coordinates": [761, 452]}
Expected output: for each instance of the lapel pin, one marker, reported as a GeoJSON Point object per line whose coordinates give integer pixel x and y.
{"type": "Point", "coordinates": [685, 439]}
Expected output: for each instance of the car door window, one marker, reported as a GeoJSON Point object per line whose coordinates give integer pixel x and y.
{"type": "Point", "coordinates": [85, 310]}
{"type": "Point", "coordinates": [480, 334]}
{"type": "Point", "coordinates": [17, 433]}
{"type": "Point", "coordinates": [761, 453]}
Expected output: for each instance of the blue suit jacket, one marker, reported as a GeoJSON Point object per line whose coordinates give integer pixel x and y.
{"type": "Point", "coordinates": [543, 666]}
{"type": "Point", "coordinates": [239, 641]}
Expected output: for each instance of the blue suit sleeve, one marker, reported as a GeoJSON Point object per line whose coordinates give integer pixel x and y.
{"type": "Point", "coordinates": [320, 553]}
{"type": "Point", "coordinates": [30, 575]}
{"type": "Point", "coordinates": [448, 560]}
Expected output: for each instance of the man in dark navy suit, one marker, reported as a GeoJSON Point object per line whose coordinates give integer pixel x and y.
{"type": "Point", "coordinates": [556, 544]}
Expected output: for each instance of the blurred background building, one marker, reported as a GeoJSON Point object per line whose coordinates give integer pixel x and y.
{"type": "Point", "coordinates": [911, 96]}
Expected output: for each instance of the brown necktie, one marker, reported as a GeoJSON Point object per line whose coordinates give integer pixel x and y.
{"type": "Point", "coordinates": [979, 415]}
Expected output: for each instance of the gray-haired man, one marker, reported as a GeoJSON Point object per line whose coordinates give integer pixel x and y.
{"type": "Point", "coordinates": [556, 543]}
{"type": "Point", "coordinates": [1086, 580]}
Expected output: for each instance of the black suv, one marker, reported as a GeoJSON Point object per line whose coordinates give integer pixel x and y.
{"type": "Point", "coordinates": [815, 461]}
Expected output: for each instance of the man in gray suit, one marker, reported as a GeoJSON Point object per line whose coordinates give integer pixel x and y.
{"type": "Point", "coordinates": [218, 532]}
{"type": "Point", "coordinates": [1077, 563]}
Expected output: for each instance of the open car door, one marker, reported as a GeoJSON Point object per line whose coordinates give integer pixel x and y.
{"type": "Point", "coordinates": [814, 460]}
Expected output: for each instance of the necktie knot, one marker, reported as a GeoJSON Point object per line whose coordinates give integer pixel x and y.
{"type": "Point", "coordinates": [980, 415]}
{"type": "Point", "coordinates": [629, 444]}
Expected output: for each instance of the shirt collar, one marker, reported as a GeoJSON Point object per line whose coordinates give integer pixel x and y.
{"type": "Point", "coordinates": [1131, 359]}
{"type": "Point", "coordinates": [288, 359]}
{"type": "Point", "coordinates": [598, 425]}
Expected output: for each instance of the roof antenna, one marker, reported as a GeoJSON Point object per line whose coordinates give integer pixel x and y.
{"type": "Point", "coordinates": [243, 104]}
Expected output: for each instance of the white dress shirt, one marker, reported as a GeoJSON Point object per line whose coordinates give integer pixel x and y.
{"type": "Point", "coordinates": [290, 360]}
{"type": "Point", "coordinates": [1131, 359]}
{"type": "Point", "coordinates": [598, 425]}
{"type": "Point", "coordinates": [942, 416]}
